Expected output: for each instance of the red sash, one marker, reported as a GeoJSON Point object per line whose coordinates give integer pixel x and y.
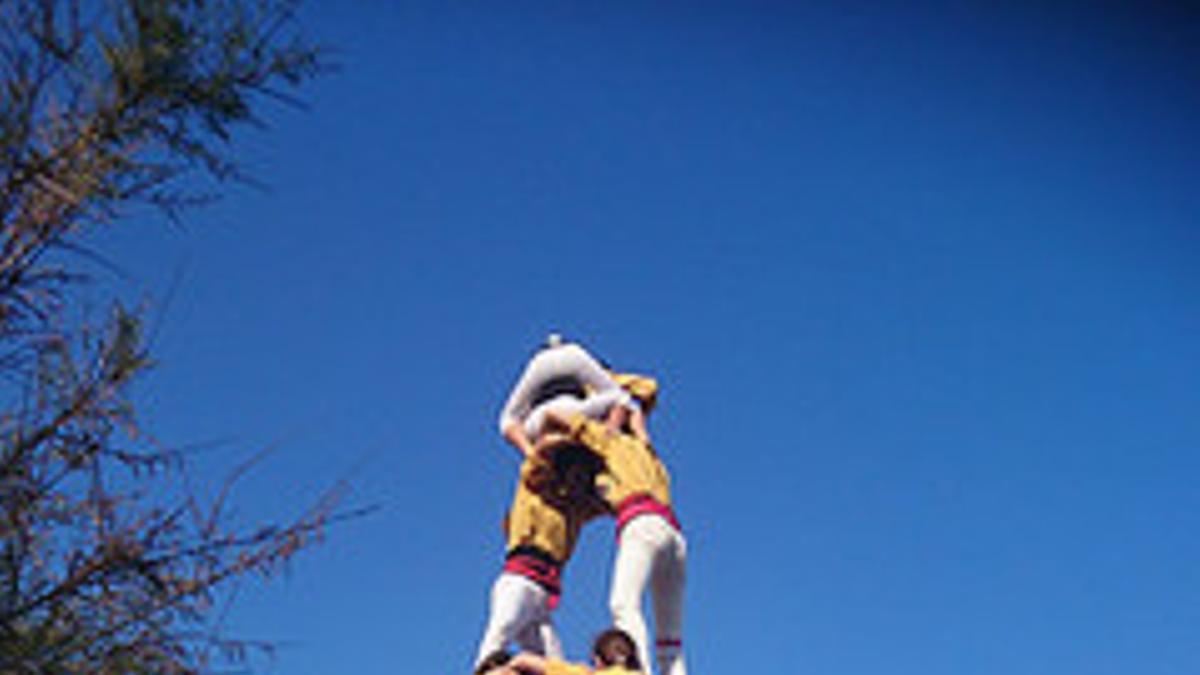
{"type": "Point", "coordinates": [641, 504]}
{"type": "Point", "coordinates": [538, 567]}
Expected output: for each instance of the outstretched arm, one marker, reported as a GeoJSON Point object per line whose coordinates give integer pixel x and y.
{"type": "Point", "coordinates": [637, 424]}
{"type": "Point", "coordinates": [616, 418]}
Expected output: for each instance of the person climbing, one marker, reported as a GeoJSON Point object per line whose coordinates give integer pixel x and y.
{"type": "Point", "coordinates": [651, 549]}
{"type": "Point", "coordinates": [553, 498]}
{"type": "Point", "coordinates": [554, 495]}
{"type": "Point", "coordinates": [562, 377]}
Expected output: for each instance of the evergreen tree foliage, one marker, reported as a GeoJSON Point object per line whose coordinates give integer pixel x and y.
{"type": "Point", "coordinates": [106, 106]}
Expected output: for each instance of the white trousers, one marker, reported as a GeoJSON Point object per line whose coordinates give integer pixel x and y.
{"type": "Point", "coordinates": [569, 361]}
{"type": "Point", "coordinates": [520, 613]}
{"type": "Point", "coordinates": [595, 406]}
{"type": "Point", "coordinates": [651, 553]}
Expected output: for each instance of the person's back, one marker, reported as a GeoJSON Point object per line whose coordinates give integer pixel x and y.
{"type": "Point", "coordinates": [651, 549]}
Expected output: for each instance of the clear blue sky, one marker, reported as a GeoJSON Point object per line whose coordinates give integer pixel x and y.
{"type": "Point", "coordinates": [920, 283]}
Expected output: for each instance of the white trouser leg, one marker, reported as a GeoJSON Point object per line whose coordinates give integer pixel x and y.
{"type": "Point", "coordinates": [519, 613]}
{"type": "Point", "coordinates": [541, 638]}
{"type": "Point", "coordinates": [666, 590]}
{"type": "Point", "coordinates": [631, 573]}
{"type": "Point", "coordinates": [552, 645]}
{"type": "Point", "coordinates": [595, 406]}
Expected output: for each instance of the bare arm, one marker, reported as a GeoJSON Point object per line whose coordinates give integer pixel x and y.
{"type": "Point", "coordinates": [616, 418]}
{"type": "Point", "coordinates": [637, 424]}
{"type": "Point", "coordinates": [514, 433]}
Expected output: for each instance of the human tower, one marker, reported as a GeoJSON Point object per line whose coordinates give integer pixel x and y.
{"type": "Point", "coordinates": [581, 430]}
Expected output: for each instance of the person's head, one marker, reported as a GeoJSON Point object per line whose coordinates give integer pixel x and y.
{"type": "Point", "coordinates": [497, 659]}
{"type": "Point", "coordinates": [614, 647]}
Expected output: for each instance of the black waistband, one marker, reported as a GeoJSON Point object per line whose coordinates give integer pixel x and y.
{"type": "Point", "coordinates": [539, 554]}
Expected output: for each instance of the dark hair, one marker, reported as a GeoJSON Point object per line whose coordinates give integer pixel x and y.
{"type": "Point", "coordinates": [494, 660]}
{"type": "Point", "coordinates": [614, 647]}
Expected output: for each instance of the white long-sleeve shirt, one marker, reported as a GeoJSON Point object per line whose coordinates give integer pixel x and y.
{"type": "Point", "coordinates": [553, 363]}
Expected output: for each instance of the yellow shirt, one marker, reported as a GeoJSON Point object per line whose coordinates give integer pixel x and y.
{"type": "Point", "coordinates": [543, 515]}
{"type": "Point", "coordinates": [631, 467]}
{"type": "Point", "coordinates": [534, 522]}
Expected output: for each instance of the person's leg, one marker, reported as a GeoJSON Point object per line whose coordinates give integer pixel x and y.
{"type": "Point", "coordinates": [666, 589]}
{"type": "Point", "coordinates": [528, 639]}
{"type": "Point", "coordinates": [597, 405]}
{"type": "Point", "coordinates": [538, 635]}
{"type": "Point", "coordinates": [555, 412]}
{"type": "Point", "coordinates": [514, 607]}
{"type": "Point", "coordinates": [631, 572]}
{"type": "Point", "coordinates": [544, 639]}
